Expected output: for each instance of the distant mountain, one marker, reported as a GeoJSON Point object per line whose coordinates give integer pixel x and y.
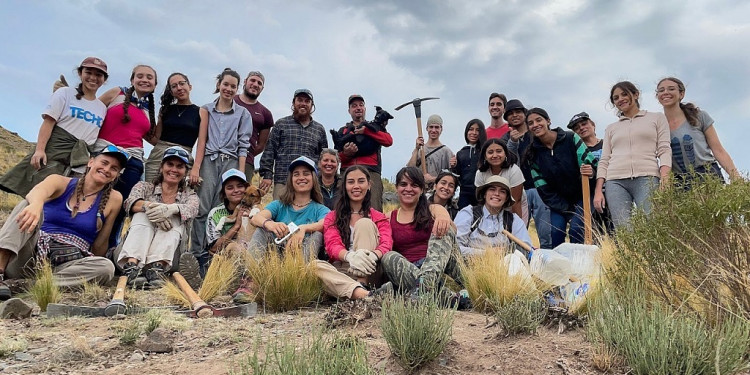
{"type": "Point", "coordinates": [12, 149]}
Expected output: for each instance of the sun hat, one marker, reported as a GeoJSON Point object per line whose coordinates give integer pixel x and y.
{"type": "Point", "coordinates": [495, 180]}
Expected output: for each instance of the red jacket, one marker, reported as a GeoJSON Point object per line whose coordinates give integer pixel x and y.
{"type": "Point", "coordinates": [332, 237]}
{"type": "Point", "coordinates": [372, 160]}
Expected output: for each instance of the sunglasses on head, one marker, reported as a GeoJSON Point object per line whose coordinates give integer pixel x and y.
{"type": "Point", "coordinates": [449, 172]}
{"type": "Point", "coordinates": [176, 152]}
{"type": "Point", "coordinates": [112, 149]}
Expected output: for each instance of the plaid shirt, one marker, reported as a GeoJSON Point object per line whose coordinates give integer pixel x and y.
{"type": "Point", "coordinates": [187, 199]}
{"type": "Point", "coordinates": [43, 244]}
{"type": "Point", "coordinates": [289, 140]}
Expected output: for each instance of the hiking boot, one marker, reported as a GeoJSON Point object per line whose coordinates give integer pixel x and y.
{"type": "Point", "coordinates": [190, 270]}
{"type": "Point", "coordinates": [131, 270]}
{"type": "Point", "coordinates": [461, 301]}
{"type": "Point", "coordinates": [244, 293]}
{"type": "Point", "coordinates": [384, 290]}
{"type": "Point", "coordinates": [156, 276]}
{"type": "Point", "coordinates": [4, 289]}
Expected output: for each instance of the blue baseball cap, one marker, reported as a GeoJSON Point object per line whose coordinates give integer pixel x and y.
{"type": "Point", "coordinates": [176, 152]}
{"type": "Point", "coordinates": [121, 155]}
{"type": "Point", "coordinates": [233, 173]}
{"type": "Point", "coordinates": [303, 160]}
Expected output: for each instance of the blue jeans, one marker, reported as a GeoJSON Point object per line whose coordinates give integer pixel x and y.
{"type": "Point", "coordinates": [130, 176]}
{"type": "Point", "coordinates": [560, 221]}
{"type": "Point", "coordinates": [541, 214]}
{"type": "Point", "coordinates": [621, 194]}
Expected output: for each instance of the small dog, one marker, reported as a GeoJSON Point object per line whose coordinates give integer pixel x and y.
{"type": "Point", "coordinates": [251, 199]}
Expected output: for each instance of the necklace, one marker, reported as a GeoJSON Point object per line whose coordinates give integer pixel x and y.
{"type": "Point", "coordinates": [77, 206]}
{"type": "Point", "coordinates": [301, 205]}
{"type": "Point", "coordinates": [179, 114]}
{"type": "Point", "coordinates": [357, 213]}
{"type": "Point", "coordinates": [90, 194]}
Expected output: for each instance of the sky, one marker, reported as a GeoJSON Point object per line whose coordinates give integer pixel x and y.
{"type": "Point", "coordinates": [563, 56]}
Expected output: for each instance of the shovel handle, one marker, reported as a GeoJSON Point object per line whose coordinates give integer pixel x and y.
{"type": "Point", "coordinates": [119, 295]}
{"type": "Point", "coordinates": [196, 303]}
{"type": "Point", "coordinates": [515, 239]}
{"type": "Point", "coordinates": [419, 132]}
{"type": "Point", "coordinates": [588, 237]}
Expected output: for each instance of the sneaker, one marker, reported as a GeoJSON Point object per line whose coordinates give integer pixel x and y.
{"type": "Point", "coordinates": [190, 270]}
{"type": "Point", "coordinates": [243, 294]}
{"type": "Point", "coordinates": [4, 289]}
{"type": "Point", "coordinates": [155, 276]}
{"type": "Point", "coordinates": [131, 270]}
{"type": "Point", "coordinates": [384, 290]}
{"type": "Point", "coordinates": [461, 300]}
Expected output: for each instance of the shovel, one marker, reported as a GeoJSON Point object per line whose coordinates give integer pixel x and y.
{"type": "Point", "coordinates": [114, 307]}
{"type": "Point", "coordinates": [201, 309]}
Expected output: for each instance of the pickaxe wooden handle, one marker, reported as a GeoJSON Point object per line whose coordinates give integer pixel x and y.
{"type": "Point", "coordinates": [117, 305]}
{"type": "Point", "coordinates": [588, 236]}
{"type": "Point", "coordinates": [201, 308]}
{"type": "Point", "coordinates": [515, 239]}
{"type": "Point", "coordinates": [417, 103]}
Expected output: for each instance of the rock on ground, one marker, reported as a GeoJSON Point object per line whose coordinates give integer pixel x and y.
{"type": "Point", "coordinates": [15, 308]}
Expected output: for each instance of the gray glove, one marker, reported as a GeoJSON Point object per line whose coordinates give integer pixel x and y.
{"type": "Point", "coordinates": [362, 262]}
{"type": "Point", "coordinates": [164, 225]}
{"type": "Point", "coordinates": [159, 211]}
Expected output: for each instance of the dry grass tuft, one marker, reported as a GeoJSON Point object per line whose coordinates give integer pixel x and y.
{"type": "Point", "coordinates": [92, 293]}
{"type": "Point", "coordinates": [605, 358]}
{"type": "Point", "coordinates": [8, 345]}
{"type": "Point", "coordinates": [78, 350]}
{"type": "Point", "coordinates": [219, 276]}
{"type": "Point", "coordinates": [45, 290]}
{"type": "Point", "coordinates": [173, 294]}
{"type": "Point", "coordinates": [284, 282]}
{"type": "Point", "coordinates": [488, 280]}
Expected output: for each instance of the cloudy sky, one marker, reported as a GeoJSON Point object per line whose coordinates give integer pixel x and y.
{"type": "Point", "coordinates": [559, 55]}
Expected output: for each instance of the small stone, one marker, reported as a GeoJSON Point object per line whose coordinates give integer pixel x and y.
{"type": "Point", "coordinates": [136, 357]}
{"type": "Point", "coordinates": [38, 351]}
{"type": "Point", "coordinates": [15, 308]}
{"type": "Point", "coordinates": [158, 341]}
{"type": "Point", "coordinates": [25, 357]}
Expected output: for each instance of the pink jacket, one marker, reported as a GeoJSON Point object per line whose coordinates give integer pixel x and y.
{"type": "Point", "coordinates": [332, 237]}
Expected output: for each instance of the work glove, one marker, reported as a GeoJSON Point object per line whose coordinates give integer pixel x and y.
{"type": "Point", "coordinates": [164, 225]}
{"type": "Point", "coordinates": [362, 262]}
{"type": "Point", "coordinates": [160, 211]}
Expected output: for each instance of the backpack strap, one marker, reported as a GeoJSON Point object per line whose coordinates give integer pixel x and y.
{"type": "Point", "coordinates": [508, 220]}
{"type": "Point", "coordinates": [476, 212]}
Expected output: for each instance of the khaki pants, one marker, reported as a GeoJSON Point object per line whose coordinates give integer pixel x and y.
{"type": "Point", "coordinates": [278, 189]}
{"type": "Point", "coordinates": [23, 247]}
{"type": "Point", "coordinates": [336, 279]}
{"type": "Point", "coordinates": [148, 244]}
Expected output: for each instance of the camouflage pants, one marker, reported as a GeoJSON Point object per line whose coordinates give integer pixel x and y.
{"type": "Point", "coordinates": [442, 257]}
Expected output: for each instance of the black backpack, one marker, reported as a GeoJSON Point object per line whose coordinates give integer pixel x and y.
{"type": "Point", "coordinates": [477, 218]}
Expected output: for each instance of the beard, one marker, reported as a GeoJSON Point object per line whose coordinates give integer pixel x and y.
{"type": "Point", "coordinates": [299, 116]}
{"type": "Point", "coordinates": [250, 95]}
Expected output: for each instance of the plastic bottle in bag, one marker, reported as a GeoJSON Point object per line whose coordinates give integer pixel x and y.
{"type": "Point", "coordinates": [551, 267]}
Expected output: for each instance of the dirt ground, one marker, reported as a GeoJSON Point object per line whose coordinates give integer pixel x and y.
{"type": "Point", "coordinates": [92, 345]}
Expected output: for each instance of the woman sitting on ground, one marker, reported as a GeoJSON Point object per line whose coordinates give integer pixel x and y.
{"type": "Point", "coordinates": [356, 237]}
{"type": "Point", "coordinates": [424, 241]}
{"type": "Point", "coordinates": [160, 211]}
{"type": "Point", "coordinates": [481, 227]}
{"type": "Point", "coordinates": [301, 204]}
{"type": "Point", "coordinates": [67, 221]}
{"type": "Point", "coordinates": [328, 166]}
{"type": "Point", "coordinates": [445, 187]}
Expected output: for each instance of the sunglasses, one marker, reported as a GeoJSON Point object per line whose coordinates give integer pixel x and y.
{"type": "Point", "coordinates": [448, 171]}
{"type": "Point", "coordinates": [176, 152]}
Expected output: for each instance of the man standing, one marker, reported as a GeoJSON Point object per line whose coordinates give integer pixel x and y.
{"type": "Point", "coordinates": [262, 118]}
{"type": "Point", "coordinates": [292, 136]}
{"type": "Point", "coordinates": [498, 127]}
{"type": "Point", "coordinates": [437, 155]}
{"type": "Point", "coordinates": [582, 125]}
{"type": "Point", "coordinates": [363, 142]}
{"type": "Point", "coordinates": [518, 140]}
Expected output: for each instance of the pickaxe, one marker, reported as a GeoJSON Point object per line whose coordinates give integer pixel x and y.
{"type": "Point", "coordinates": [418, 112]}
{"type": "Point", "coordinates": [200, 309]}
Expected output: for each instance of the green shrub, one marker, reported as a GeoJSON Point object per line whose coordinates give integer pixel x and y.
{"type": "Point", "coordinates": [693, 250]}
{"type": "Point", "coordinates": [522, 314]}
{"type": "Point", "coordinates": [9, 345]}
{"type": "Point", "coordinates": [416, 331]}
{"type": "Point", "coordinates": [317, 355]}
{"type": "Point", "coordinates": [655, 338]}
{"type": "Point", "coordinates": [45, 290]}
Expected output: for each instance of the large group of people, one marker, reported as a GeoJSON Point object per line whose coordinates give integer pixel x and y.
{"type": "Point", "coordinates": [86, 175]}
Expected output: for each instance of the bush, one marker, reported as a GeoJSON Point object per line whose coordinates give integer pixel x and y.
{"type": "Point", "coordinates": [416, 331]}
{"type": "Point", "coordinates": [693, 250]}
{"type": "Point", "coordinates": [522, 314]}
{"type": "Point", "coordinates": [655, 338]}
{"type": "Point", "coordinates": [283, 282]}
{"type": "Point", "coordinates": [488, 280]}
{"type": "Point", "coordinates": [318, 355]}
{"type": "Point", "coordinates": [219, 276]}
{"type": "Point", "coordinates": [45, 290]}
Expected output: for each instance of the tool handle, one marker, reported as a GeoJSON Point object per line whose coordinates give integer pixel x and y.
{"type": "Point", "coordinates": [122, 283]}
{"type": "Point", "coordinates": [195, 301]}
{"type": "Point", "coordinates": [588, 236]}
{"type": "Point", "coordinates": [419, 132]}
{"type": "Point", "coordinates": [515, 239]}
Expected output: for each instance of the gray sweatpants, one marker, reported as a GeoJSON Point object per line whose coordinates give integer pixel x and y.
{"type": "Point", "coordinates": [208, 193]}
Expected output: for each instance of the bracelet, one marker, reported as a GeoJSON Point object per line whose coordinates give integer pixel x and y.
{"type": "Point", "coordinates": [264, 224]}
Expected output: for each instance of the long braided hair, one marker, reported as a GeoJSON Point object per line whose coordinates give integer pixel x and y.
{"type": "Point", "coordinates": [689, 109]}
{"type": "Point", "coordinates": [343, 207]}
{"type": "Point", "coordinates": [149, 97]}
{"type": "Point", "coordinates": [102, 203]}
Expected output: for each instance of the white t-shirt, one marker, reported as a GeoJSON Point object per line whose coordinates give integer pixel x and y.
{"type": "Point", "coordinates": [81, 118]}
{"type": "Point", "coordinates": [515, 177]}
